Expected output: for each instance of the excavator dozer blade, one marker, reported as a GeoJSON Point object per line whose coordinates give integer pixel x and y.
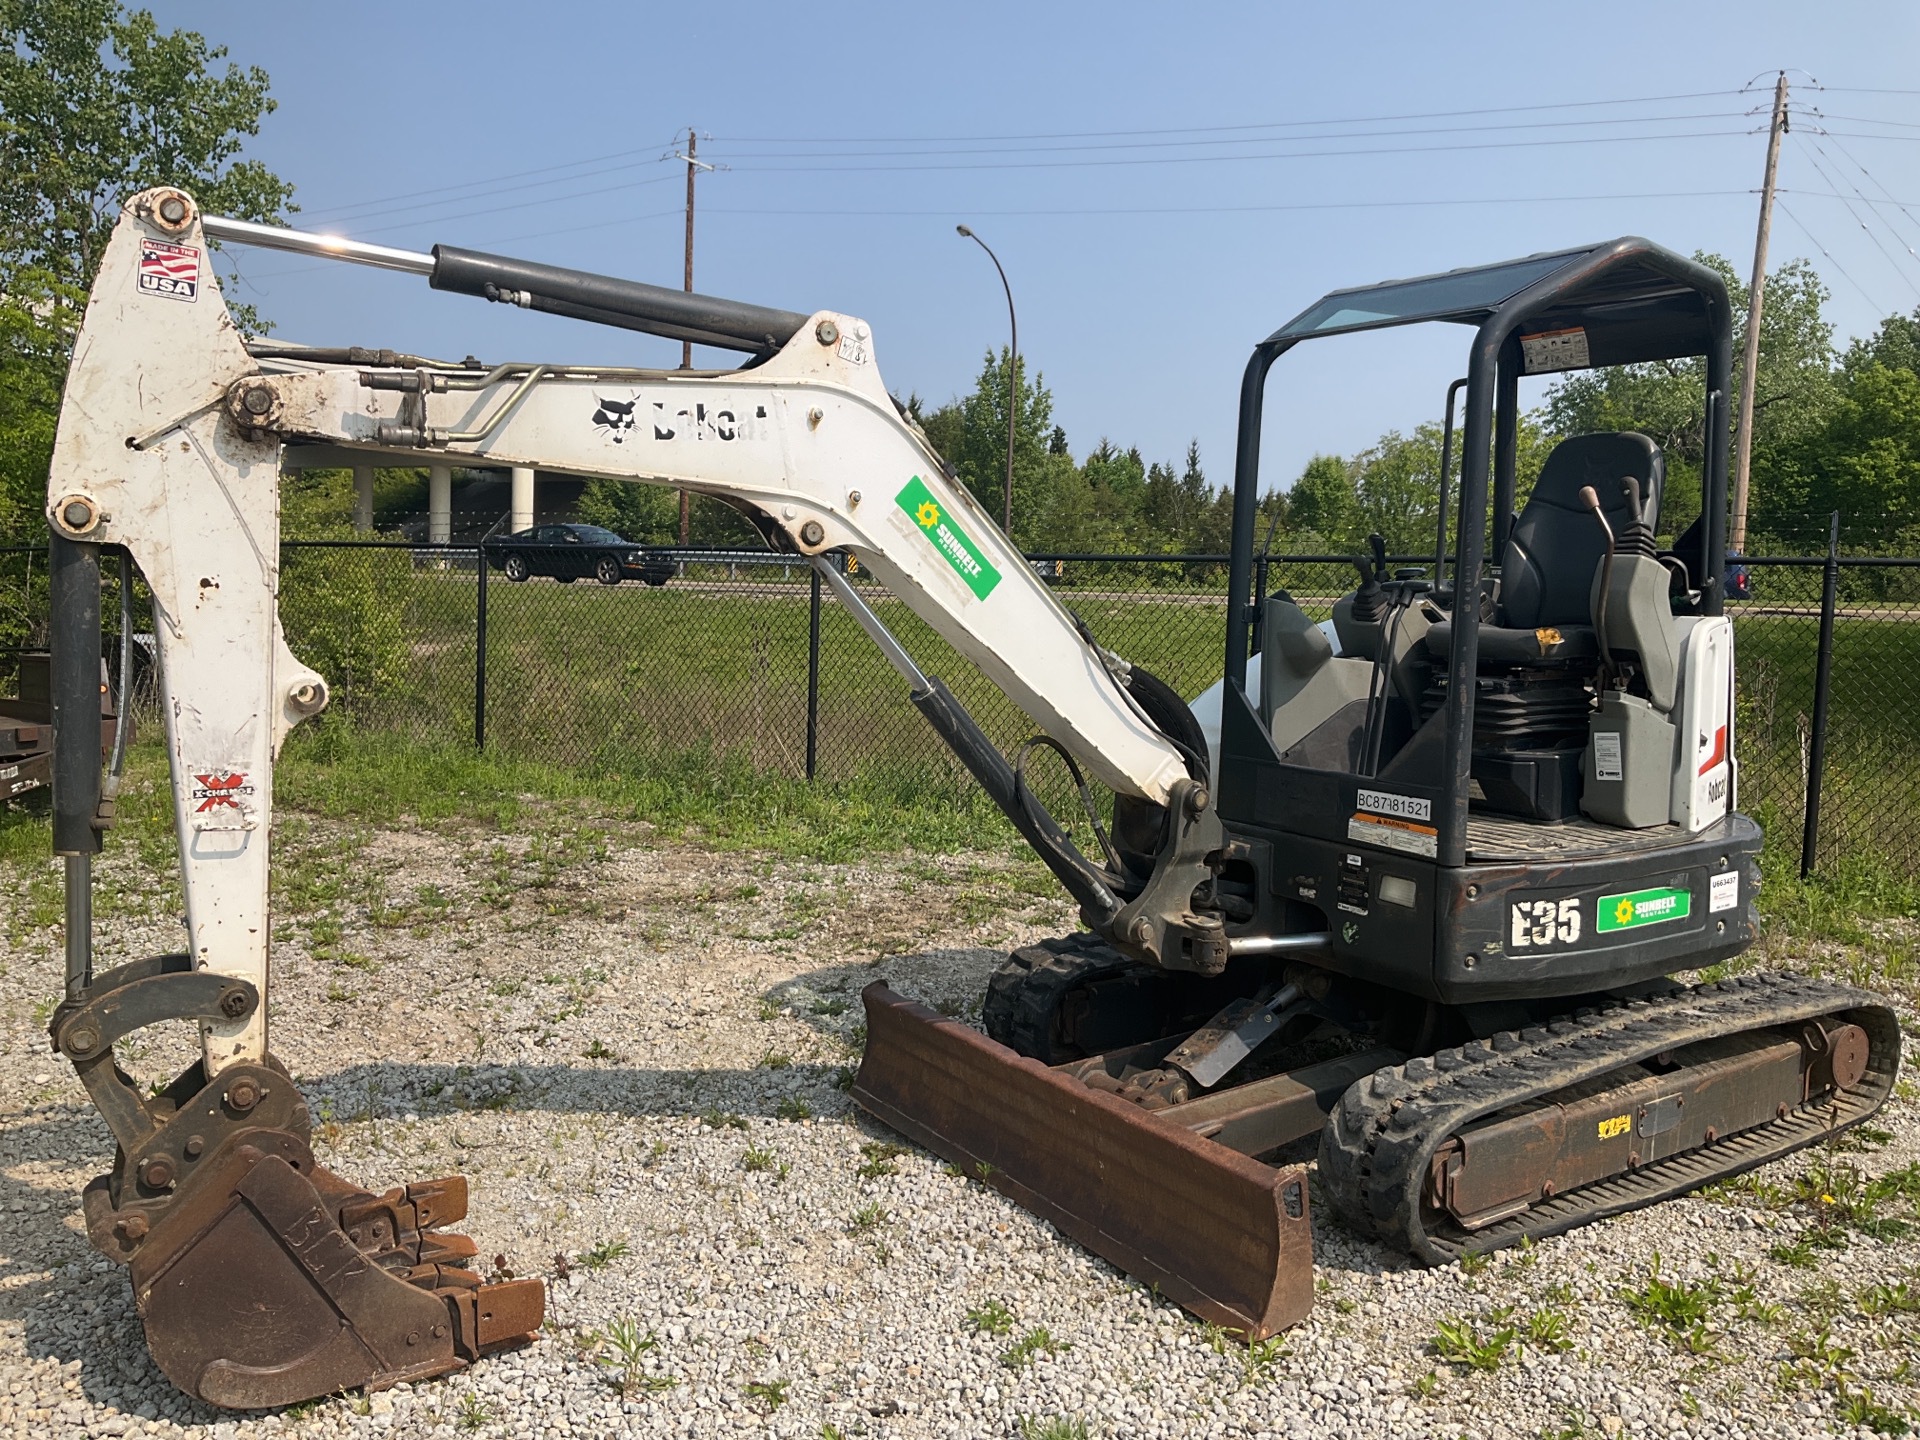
{"type": "Point", "coordinates": [270, 1281]}
{"type": "Point", "coordinates": [1223, 1235]}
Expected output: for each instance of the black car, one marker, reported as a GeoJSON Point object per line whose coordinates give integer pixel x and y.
{"type": "Point", "coordinates": [573, 552]}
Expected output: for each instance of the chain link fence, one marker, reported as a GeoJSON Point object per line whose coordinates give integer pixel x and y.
{"type": "Point", "coordinates": [746, 658]}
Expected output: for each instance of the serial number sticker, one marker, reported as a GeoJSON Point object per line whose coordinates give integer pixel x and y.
{"type": "Point", "coordinates": [1403, 807]}
{"type": "Point", "coordinates": [1618, 1125]}
{"type": "Point", "coordinates": [1537, 923]}
{"type": "Point", "coordinates": [1723, 891]}
{"type": "Point", "coordinates": [1606, 755]}
{"type": "Point", "coordinates": [1407, 836]}
{"type": "Point", "coordinates": [1643, 907]}
{"type": "Point", "coordinates": [1555, 350]}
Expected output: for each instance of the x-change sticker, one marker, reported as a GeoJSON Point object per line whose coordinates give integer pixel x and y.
{"type": "Point", "coordinates": [947, 537]}
{"type": "Point", "coordinates": [1642, 907]}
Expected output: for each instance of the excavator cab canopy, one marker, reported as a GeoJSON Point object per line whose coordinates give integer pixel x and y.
{"type": "Point", "coordinates": [1619, 302]}
{"type": "Point", "coordinates": [1630, 309]}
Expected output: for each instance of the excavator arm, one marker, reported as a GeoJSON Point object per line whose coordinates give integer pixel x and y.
{"type": "Point", "coordinates": [264, 1279]}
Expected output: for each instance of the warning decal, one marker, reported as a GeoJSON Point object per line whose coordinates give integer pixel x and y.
{"type": "Point", "coordinates": [1407, 836]}
{"type": "Point", "coordinates": [1555, 350]}
{"type": "Point", "coordinates": [169, 270]}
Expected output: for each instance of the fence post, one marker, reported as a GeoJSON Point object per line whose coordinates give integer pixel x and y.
{"type": "Point", "coordinates": [813, 672]}
{"type": "Point", "coordinates": [1823, 677]}
{"type": "Point", "coordinates": [480, 649]}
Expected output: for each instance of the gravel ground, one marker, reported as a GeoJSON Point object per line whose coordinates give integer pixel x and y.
{"type": "Point", "coordinates": [636, 1049]}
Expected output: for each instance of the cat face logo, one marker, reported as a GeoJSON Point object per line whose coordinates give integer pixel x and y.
{"type": "Point", "coordinates": [613, 418]}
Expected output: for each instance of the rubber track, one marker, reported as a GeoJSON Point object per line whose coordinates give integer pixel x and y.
{"type": "Point", "coordinates": [1377, 1146]}
{"type": "Point", "coordinates": [1024, 995]}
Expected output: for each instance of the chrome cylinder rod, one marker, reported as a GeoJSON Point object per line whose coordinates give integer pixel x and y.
{"type": "Point", "coordinates": [895, 652]}
{"type": "Point", "coordinates": [79, 936]}
{"type": "Point", "coordinates": [1279, 944]}
{"type": "Point", "coordinates": [325, 247]}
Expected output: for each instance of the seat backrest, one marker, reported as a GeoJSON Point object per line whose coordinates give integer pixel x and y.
{"type": "Point", "coordinates": [1546, 570]}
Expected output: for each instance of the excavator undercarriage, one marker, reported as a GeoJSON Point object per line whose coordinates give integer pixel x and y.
{"type": "Point", "coordinates": [1417, 884]}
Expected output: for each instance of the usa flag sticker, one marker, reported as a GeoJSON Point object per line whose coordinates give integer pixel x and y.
{"type": "Point", "coordinates": [169, 270]}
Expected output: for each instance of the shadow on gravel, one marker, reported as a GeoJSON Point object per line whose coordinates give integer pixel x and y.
{"type": "Point", "coordinates": [71, 1309]}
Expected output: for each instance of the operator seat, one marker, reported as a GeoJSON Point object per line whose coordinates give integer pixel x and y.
{"type": "Point", "coordinates": [1555, 546]}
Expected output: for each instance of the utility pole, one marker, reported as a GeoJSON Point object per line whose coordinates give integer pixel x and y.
{"type": "Point", "coordinates": [1743, 433]}
{"type": "Point", "coordinates": [694, 166]}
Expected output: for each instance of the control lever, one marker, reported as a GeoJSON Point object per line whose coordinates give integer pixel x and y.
{"type": "Point", "coordinates": [1591, 499]}
{"type": "Point", "coordinates": [1370, 600]}
{"type": "Point", "coordinates": [1637, 538]}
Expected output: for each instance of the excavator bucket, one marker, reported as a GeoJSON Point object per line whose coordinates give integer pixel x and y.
{"type": "Point", "coordinates": [1222, 1234]}
{"type": "Point", "coordinates": [272, 1281]}
{"type": "Point", "coordinates": [263, 1278]}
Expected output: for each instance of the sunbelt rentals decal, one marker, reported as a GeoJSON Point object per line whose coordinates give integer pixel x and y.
{"type": "Point", "coordinates": [1643, 907]}
{"type": "Point", "coordinates": [931, 517]}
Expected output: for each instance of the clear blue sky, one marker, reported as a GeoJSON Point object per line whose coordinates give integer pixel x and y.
{"type": "Point", "coordinates": [1172, 211]}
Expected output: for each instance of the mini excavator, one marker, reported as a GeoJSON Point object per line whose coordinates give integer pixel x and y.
{"type": "Point", "coordinates": [1416, 894]}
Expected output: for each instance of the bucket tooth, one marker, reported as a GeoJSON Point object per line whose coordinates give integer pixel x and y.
{"type": "Point", "coordinates": [1222, 1234]}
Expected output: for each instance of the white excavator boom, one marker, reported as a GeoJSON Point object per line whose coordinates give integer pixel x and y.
{"type": "Point", "coordinates": [170, 443]}
{"type": "Point", "coordinates": [263, 1278]}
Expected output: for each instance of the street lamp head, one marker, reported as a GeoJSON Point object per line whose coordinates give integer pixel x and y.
{"type": "Point", "coordinates": [963, 230]}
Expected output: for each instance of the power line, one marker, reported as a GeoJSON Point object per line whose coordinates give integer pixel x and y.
{"type": "Point", "coordinates": [1221, 129]}
{"type": "Point", "coordinates": [492, 180]}
{"type": "Point", "coordinates": [329, 218]}
{"type": "Point", "coordinates": [516, 205]}
{"type": "Point", "coordinates": [1814, 160]}
{"type": "Point", "coordinates": [1868, 120]}
{"type": "Point", "coordinates": [1869, 135]}
{"type": "Point", "coordinates": [413, 200]}
{"type": "Point", "coordinates": [1875, 305]}
{"type": "Point", "coordinates": [1900, 205]}
{"type": "Point", "coordinates": [1245, 209]}
{"type": "Point", "coordinates": [1278, 155]}
{"type": "Point", "coordinates": [1874, 209]}
{"type": "Point", "coordinates": [1091, 211]}
{"type": "Point", "coordinates": [1236, 140]}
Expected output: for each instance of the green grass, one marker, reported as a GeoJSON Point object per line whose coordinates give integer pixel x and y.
{"type": "Point", "coordinates": [1680, 1308]}
{"type": "Point", "coordinates": [1037, 1341]}
{"type": "Point", "coordinates": [1461, 1341]}
{"type": "Point", "coordinates": [700, 796]}
{"type": "Point", "coordinates": [1873, 736]}
{"type": "Point", "coordinates": [992, 1318]}
{"type": "Point", "coordinates": [603, 1254]}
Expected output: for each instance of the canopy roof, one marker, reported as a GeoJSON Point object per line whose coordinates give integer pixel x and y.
{"type": "Point", "coordinates": [1633, 299]}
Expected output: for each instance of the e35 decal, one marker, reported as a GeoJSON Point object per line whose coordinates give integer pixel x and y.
{"type": "Point", "coordinates": [1538, 923]}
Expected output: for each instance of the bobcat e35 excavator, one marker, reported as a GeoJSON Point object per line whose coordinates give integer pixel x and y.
{"type": "Point", "coordinates": [1419, 894]}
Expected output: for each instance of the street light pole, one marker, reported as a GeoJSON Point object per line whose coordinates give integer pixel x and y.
{"type": "Point", "coordinates": [1013, 375]}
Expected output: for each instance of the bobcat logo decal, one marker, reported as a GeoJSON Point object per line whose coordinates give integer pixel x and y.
{"type": "Point", "coordinates": [614, 418]}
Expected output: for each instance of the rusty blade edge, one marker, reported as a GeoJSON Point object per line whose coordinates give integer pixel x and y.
{"type": "Point", "coordinates": [1205, 1225]}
